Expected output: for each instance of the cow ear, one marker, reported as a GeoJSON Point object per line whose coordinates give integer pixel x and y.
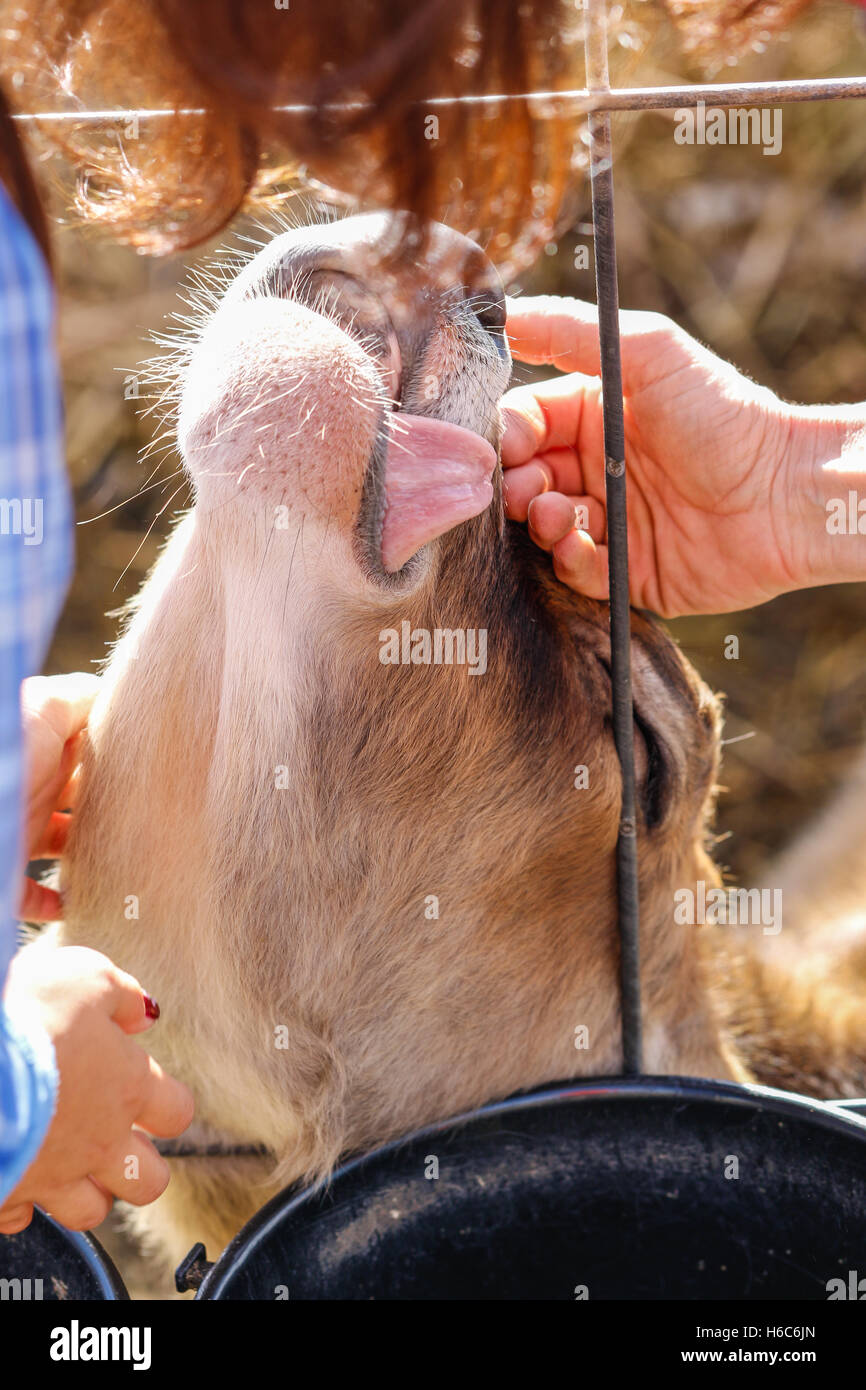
{"type": "Point", "coordinates": [678, 720]}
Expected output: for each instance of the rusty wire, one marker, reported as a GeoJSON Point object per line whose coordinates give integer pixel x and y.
{"type": "Point", "coordinates": [577, 102]}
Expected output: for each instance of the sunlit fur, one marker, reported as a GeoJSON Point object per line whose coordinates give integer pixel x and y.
{"type": "Point", "coordinates": [309, 996]}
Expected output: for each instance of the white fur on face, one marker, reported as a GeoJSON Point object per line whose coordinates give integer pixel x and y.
{"type": "Point", "coordinates": [288, 390]}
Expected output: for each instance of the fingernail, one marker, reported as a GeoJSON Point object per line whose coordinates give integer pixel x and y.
{"type": "Point", "coordinates": [151, 1008]}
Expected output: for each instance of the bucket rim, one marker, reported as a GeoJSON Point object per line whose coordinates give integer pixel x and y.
{"type": "Point", "coordinates": [675, 1089]}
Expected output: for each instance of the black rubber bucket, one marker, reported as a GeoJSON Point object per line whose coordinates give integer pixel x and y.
{"type": "Point", "coordinates": [647, 1189]}
{"type": "Point", "coordinates": [47, 1263]}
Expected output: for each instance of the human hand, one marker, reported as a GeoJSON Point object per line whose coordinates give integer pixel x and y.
{"type": "Point", "coordinates": [54, 711]}
{"type": "Point", "coordinates": [719, 517]}
{"type": "Point", "coordinates": [110, 1090]}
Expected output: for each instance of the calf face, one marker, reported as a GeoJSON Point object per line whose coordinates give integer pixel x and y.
{"type": "Point", "coordinates": [350, 794]}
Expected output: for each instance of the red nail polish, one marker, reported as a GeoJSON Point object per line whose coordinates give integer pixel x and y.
{"type": "Point", "coordinates": [151, 1008]}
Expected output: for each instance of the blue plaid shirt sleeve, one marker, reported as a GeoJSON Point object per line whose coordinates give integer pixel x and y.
{"type": "Point", "coordinates": [35, 564]}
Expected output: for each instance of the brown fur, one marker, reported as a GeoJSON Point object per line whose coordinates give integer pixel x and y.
{"type": "Point", "coordinates": [302, 908]}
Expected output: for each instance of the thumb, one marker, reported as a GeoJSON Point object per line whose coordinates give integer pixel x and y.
{"type": "Point", "coordinates": [64, 702]}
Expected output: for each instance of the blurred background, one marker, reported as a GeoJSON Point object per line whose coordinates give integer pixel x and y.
{"type": "Point", "coordinates": [762, 258]}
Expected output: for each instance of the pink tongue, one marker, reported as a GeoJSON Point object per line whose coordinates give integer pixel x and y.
{"type": "Point", "coordinates": [436, 475]}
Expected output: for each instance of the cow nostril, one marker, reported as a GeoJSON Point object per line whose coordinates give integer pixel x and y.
{"type": "Point", "coordinates": [349, 303]}
{"type": "Point", "coordinates": [489, 309]}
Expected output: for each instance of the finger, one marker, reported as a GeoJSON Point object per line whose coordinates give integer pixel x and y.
{"type": "Point", "coordinates": [556, 470]}
{"type": "Point", "coordinates": [562, 413]}
{"type": "Point", "coordinates": [523, 426]}
{"type": "Point", "coordinates": [550, 519]}
{"type": "Point", "coordinates": [552, 515]}
{"type": "Point", "coordinates": [63, 774]}
{"type": "Point", "coordinates": [64, 702]}
{"type": "Point", "coordinates": [549, 329]}
{"type": "Point", "coordinates": [38, 903]}
{"type": "Point", "coordinates": [169, 1106]}
{"type": "Point", "coordinates": [69, 773]}
{"type": "Point", "coordinates": [581, 564]}
{"type": "Point", "coordinates": [52, 842]}
{"type": "Point", "coordinates": [67, 798]}
{"type": "Point", "coordinates": [520, 485]}
{"type": "Point", "coordinates": [16, 1219]}
{"type": "Point", "coordinates": [136, 1173]}
{"type": "Point", "coordinates": [79, 1206]}
{"type": "Point", "coordinates": [127, 1001]}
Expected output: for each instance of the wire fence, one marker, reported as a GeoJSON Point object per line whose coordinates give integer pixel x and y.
{"type": "Point", "coordinates": [580, 101]}
{"type": "Point", "coordinates": [597, 101]}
